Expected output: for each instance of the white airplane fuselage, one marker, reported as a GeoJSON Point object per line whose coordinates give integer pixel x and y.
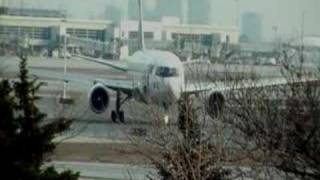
{"type": "Point", "coordinates": [160, 75]}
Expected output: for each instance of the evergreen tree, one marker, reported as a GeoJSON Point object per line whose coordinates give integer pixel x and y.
{"type": "Point", "coordinates": [25, 138]}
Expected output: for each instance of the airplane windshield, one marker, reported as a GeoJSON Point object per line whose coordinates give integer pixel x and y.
{"type": "Point", "coordinates": [166, 72]}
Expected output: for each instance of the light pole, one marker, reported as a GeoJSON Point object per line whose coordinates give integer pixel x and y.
{"type": "Point", "coordinates": [275, 30]}
{"type": "Point", "coordinates": [64, 97]}
{"type": "Point", "coordinates": [65, 100]}
{"type": "Point", "coordinates": [302, 25]}
{"type": "Point", "coordinates": [141, 32]}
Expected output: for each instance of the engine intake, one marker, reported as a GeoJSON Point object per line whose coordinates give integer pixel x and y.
{"type": "Point", "coordinates": [215, 104]}
{"type": "Point", "coordinates": [99, 99]}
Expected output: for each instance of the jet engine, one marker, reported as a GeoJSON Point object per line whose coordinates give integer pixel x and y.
{"type": "Point", "coordinates": [215, 104]}
{"type": "Point", "coordinates": [99, 98]}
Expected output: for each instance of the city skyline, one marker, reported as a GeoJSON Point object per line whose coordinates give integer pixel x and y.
{"type": "Point", "coordinates": [287, 16]}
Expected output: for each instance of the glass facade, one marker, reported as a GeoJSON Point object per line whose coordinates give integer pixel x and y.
{"type": "Point", "coordinates": [86, 33]}
{"type": "Point", "coordinates": [135, 35]}
{"type": "Point", "coordinates": [32, 32]}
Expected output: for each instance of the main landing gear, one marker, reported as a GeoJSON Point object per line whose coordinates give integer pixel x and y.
{"type": "Point", "coordinates": [118, 114]}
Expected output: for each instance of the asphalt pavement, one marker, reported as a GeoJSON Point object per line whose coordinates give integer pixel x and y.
{"type": "Point", "coordinates": [105, 171]}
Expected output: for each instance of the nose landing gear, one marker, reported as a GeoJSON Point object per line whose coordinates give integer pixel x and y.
{"type": "Point", "coordinates": [118, 114]}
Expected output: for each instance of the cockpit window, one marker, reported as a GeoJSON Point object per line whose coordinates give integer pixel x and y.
{"type": "Point", "coordinates": [166, 72]}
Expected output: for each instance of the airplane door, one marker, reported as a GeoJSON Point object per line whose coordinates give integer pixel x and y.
{"type": "Point", "coordinates": [152, 82]}
{"type": "Point", "coordinates": [150, 87]}
{"type": "Point", "coordinates": [147, 82]}
{"type": "Point", "coordinates": [154, 85]}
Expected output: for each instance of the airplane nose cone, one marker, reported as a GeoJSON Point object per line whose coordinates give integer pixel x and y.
{"type": "Point", "coordinates": [174, 89]}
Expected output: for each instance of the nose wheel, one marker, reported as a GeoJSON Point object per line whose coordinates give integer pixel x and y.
{"type": "Point", "coordinates": [115, 116]}
{"type": "Point", "coordinates": [118, 114]}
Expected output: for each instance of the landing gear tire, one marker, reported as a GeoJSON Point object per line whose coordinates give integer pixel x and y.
{"type": "Point", "coordinates": [121, 116]}
{"type": "Point", "coordinates": [117, 114]}
{"type": "Point", "coordinates": [114, 116]}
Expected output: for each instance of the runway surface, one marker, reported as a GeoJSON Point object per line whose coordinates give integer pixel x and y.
{"type": "Point", "coordinates": [108, 171]}
{"type": "Point", "coordinates": [105, 171]}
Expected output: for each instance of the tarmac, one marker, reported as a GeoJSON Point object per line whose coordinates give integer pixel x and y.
{"type": "Point", "coordinates": [89, 129]}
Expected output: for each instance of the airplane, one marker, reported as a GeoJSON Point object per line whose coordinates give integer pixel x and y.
{"type": "Point", "coordinates": [156, 77]}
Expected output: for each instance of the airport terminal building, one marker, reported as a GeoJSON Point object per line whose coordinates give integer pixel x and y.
{"type": "Point", "coordinates": [43, 28]}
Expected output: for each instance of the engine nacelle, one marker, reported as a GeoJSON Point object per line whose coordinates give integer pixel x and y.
{"type": "Point", "coordinates": [215, 104]}
{"type": "Point", "coordinates": [99, 99]}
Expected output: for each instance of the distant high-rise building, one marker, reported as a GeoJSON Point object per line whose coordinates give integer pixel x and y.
{"type": "Point", "coordinates": [184, 4]}
{"type": "Point", "coordinates": [154, 10]}
{"type": "Point", "coordinates": [150, 10]}
{"type": "Point", "coordinates": [11, 11]}
{"type": "Point", "coordinates": [199, 11]}
{"type": "Point", "coordinates": [124, 9]}
{"type": "Point", "coordinates": [189, 11]}
{"type": "Point", "coordinates": [170, 8]}
{"type": "Point", "coordinates": [4, 3]}
{"type": "Point", "coordinates": [114, 13]}
{"type": "Point", "coordinates": [117, 10]}
{"type": "Point", "coordinates": [251, 26]}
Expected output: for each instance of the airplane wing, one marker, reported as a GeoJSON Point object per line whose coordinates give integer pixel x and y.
{"type": "Point", "coordinates": [115, 84]}
{"type": "Point", "coordinates": [115, 65]}
{"type": "Point", "coordinates": [193, 88]}
{"type": "Point", "coordinates": [196, 61]}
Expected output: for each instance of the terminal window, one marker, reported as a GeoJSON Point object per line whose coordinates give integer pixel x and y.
{"type": "Point", "coordinates": [31, 32]}
{"type": "Point", "coordinates": [135, 35]}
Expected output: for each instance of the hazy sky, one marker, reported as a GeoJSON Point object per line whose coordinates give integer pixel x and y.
{"type": "Point", "coordinates": [286, 15]}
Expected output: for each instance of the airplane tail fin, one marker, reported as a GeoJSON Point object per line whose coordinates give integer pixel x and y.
{"type": "Point", "coordinates": [141, 32]}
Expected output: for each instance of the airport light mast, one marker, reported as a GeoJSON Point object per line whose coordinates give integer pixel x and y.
{"type": "Point", "coordinates": [141, 32]}
{"type": "Point", "coordinates": [65, 99]}
{"type": "Point", "coordinates": [65, 66]}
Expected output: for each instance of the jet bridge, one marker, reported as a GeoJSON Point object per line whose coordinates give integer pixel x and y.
{"type": "Point", "coordinates": [112, 49]}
